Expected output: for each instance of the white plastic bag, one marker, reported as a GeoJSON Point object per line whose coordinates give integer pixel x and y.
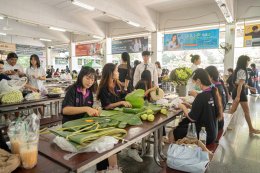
{"type": "Point", "coordinates": [100, 145]}
{"type": "Point", "coordinates": [33, 96]}
{"type": "Point", "coordinates": [175, 102]}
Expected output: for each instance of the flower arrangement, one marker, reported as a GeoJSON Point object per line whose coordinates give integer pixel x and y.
{"type": "Point", "coordinates": [180, 76]}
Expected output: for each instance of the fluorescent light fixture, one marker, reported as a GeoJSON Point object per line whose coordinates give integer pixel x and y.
{"type": "Point", "coordinates": [83, 5]}
{"type": "Point", "coordinates": [44, 39]}
{"type": "Point", "coordinates": [2, 17]}
{"type": "Point", "coordinates": [1, 33]}
{"type": "Point", "coordinates": [195, 28]}
{"type": "Point", "coordinates": [97, 37]}
{"type": "Point", "coordinates": [133, 23]}
{"type": "Point", "coordinates": [57, 29]}
{"type": "Point", "coordinates": [225, 10]}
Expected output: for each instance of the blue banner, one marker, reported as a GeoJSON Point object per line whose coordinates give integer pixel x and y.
{"type": "Point", "coordinates": [208, 39]}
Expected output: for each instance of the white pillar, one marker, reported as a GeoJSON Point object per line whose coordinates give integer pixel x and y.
{"type": "Point", "coordinates": [229, 57]}
{"type": "Point", "coordinates": [48, 58]}
{"type": "Point", "coordinates": [156, 46]}
{"type": "Point", "coordinates": [73, 63]}
{"type": "Point", "coordinates": [108, 51]}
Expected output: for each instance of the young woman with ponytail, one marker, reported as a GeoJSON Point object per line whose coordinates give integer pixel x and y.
{"type": "Point", "coordinates": [206, 109]}
{"type": "Point", "coordinates": [124, 70]}
{"type": "Point", "coordinates": [214, 77]}
{"type": "Point", "coordinates": [239, 92]}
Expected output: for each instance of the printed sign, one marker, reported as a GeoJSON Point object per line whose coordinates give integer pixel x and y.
{"type": "Point", "coordinates": [88, 49]}
{"type": "Point", "coordinates": [252, 35]}
{"type": "Point", "coordinates": [208, 39]}
{"type": "Point", "coordinates": [133, 45]}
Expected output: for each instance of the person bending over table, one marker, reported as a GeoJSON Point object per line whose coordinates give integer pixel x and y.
{"type": "Point", "coordinates": [111, 96]}
{"type": "Point", "coordinates": [205, 111]}
{"type": "Point", "coordinates": [79, 98]}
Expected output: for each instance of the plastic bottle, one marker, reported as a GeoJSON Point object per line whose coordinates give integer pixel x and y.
{"type": "Point", "coordinates": [203, 135]}
{"type": "Point", "coordinates": [191, 133]}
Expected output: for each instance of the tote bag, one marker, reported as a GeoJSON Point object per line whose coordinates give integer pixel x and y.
{"type": "Point", "coordinates": [186, 158]}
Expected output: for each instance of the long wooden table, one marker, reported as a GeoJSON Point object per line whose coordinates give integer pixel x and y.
{"type": "Point", "coordinates": [83, 161]}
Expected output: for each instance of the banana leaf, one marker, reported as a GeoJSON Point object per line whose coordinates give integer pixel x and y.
{"type": "Point", "coordinates": [80, 140]}
{"type": "Point", "coordinates": [130, 119]}
{"type": "Point", "coordinates": [107, 113]}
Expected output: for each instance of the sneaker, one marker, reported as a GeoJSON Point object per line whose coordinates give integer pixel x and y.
{"type": "Point", "coordinates": [133, 153]}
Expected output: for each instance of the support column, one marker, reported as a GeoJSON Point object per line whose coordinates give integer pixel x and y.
{"type": "Point", "coordinates": [156, 46]}
{"type": "Point", "coordinates": [229, 58]}
{"type": "Point", "coordinates": [108, 57]}
{"type": "Point", "coordinates": [48, 58]}
{"type": "Point", "coordinates": [73, 63]}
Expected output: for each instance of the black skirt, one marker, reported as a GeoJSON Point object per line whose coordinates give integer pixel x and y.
{"type": "Point", "coordinates": [243, 95]}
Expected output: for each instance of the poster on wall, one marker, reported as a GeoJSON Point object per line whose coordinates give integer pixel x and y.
{"type": "Point", "coordinates": [132, 45]}
{"type": "Point", "coordinates": [7, 47]}
{"type": "Point", "coordinates": [207, 39]}
{"type": "Point", "coordinates": [88, 49]}
{"type": "Point", "coordinates": [252, 35]}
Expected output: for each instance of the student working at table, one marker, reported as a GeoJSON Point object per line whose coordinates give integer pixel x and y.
{"type": "Point", "coordinates": [205, 111]}
{"type": "Point", "coordinates": [111, 96]}
{"type": "Point", "coordinates": [79, 101]}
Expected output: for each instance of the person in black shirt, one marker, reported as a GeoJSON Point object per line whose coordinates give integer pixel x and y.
{"type": "Point", "coordinates": [219, 84]}
{"type": "Point", "coordinates": [110, 95]}
{"type": "Point", "coordinates": [124, 70]}
{"type": "Point", "coordinates": [146, 84]}
{"type": "Point", "coordinates": [238, 95]}
{"type": "Point", "coordinates": [254, 76]}
{"type": "Point", "coordinates": [205, 111]}
{"type": "Point", "coordinates": [229, 81]}
{"type": "Point", "coordinates": [78, 100]}
{"type": "Point", "coordinates": [109, 90]}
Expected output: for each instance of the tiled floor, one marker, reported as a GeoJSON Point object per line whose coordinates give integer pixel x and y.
{"type": "Point", "coordinates": [237, 152]}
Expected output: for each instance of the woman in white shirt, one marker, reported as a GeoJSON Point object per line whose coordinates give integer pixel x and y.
{"type": "Point", "coordinates": [195, 60]}
{"type": "Point", "coordinates": [239, 96]}
{"type": "Point", "coordinates": [35, 73]}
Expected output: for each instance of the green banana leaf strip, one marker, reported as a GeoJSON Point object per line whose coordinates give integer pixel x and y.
{"type": "Point", "coordinates": [133, 110]}
{"type": "Point", "coordinates": [107, 113]}
{"type": "Point", "coordinates": [87, 137]}
{"type": "Point", "coordinates": [130, 119]}
{"type": "Point", "coordinates": [122, 125]}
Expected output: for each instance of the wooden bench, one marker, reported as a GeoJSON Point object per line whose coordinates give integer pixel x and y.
{"type": "Point", "coordinates": [211, 147]}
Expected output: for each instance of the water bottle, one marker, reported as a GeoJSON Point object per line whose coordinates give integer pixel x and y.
{"type": "Point", "coordinates": [191, 133]}
{"type": "Point", "coordinates": [203, 135]}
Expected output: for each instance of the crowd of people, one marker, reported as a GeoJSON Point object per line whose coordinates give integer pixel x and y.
{"type": "Point", "coordinates": [206, 85]}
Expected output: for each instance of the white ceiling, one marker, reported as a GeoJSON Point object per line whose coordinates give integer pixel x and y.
{"type": "Point", "coordinates": [107, 20]}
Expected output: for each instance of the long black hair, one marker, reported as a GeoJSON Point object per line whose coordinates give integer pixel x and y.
{"type": "Point", "coordinates": [37, 59]}
{"type": "Point", "coordinates": [146, 78]}
{"type": "Point", "coordinates": [126, 58]}
{"type": "Point", "coordinates": [214, 75]}
{"type": "Point", "coordinates": [86, 71]}
{"type": "Point", "coordinates": [241, 65]}
{"type": "Point", "coordinates": [107, 74]}
{"type": "Point", "coordinates": [203, 76]}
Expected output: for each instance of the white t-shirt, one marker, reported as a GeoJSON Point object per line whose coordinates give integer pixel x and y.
{"type": "Point", "coordinates": [66, 77]}
{"type": "Point", "coordinates": [37, 72]}
{"type": "Point", "coordinates": [241, 74]}
{"type": "Point", "coordinates": [16, 66]}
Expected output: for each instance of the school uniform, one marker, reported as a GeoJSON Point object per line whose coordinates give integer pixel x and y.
{"type": "Point", "coordinates": [107, 98]}
{"type": "Point", "coordinates": [241, 75]}
{"type": "Point", "coordinates": [74, 97]}
{"type": "Point", "coordinates": [204, 113]}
